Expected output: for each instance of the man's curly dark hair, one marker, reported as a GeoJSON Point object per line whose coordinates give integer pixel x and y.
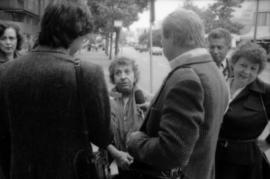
{"type": "Point", "coordinates": [123, 61]}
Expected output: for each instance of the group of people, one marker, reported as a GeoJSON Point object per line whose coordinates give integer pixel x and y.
{"type": "Point", "coordinates": [202, 123]}
{"type": "Point", "coordinates": [237, 153]}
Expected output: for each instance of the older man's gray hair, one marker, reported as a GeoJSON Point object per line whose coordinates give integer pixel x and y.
{"type": "Point", "coordinates": [186, 27]}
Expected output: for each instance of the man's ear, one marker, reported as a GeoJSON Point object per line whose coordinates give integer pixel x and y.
{"type": "Point", "coordinates": [176, 39]}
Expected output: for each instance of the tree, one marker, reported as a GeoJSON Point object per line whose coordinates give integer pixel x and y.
{"type": "Point", "coordinates": [156, 38]}
{"type": "Point", "coordinates": [218, 14]}
{"type": "Point", "coordinates": [144, 38]}
{"type": "Point", "coordinates": [105, 12]}
{"type": "Point", "coordinates": [221, 14]}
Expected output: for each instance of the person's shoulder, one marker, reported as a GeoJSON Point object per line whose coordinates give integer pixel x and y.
{"type": "Point", "coordinates": [89, 65]}
{"type": "Point", "coordinates": [91, 69]}
{"type": "Point", "coordinates": [184, 74]}
{"type": "Point", "coordinates": [265, 86]}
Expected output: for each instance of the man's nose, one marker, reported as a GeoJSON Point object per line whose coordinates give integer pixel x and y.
{"type": "Point", "coordinates": [215, 50]}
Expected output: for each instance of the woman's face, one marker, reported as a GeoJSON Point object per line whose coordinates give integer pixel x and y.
{"type": "Point", "coordinates": [8, 41]}
{"type": "Point", "coordinates": [124, 78]}
{"type": "Point", "coordinates": [245, 71]}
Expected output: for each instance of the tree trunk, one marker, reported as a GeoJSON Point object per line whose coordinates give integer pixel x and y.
{"type": "Point", "coordinates": [107, 40]}
{"type": "Point", "coordinates": [111, 45]}
{"type": "Point", "coordinates": [117, 41]}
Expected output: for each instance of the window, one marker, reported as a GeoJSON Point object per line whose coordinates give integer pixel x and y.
{"type": "Point", "coordinates": [263, 19]}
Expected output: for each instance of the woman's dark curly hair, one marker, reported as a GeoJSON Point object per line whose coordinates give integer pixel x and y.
{"type": "Point", "coordinates": [5, 25]}
{"type": "Point", "coordinates": [64, 21]}
{"type": "Point", "coordinates": [252, 52]}
{"type": "Point", "coordinates": [124, 61]}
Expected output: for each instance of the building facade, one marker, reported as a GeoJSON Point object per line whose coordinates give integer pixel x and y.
{"type": "Point", "coordinates": [25, 13]}
{"type": "Point", "coordinates": [254, 20]}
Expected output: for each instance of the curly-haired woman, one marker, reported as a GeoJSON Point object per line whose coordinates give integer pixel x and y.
{"type": "Point", "coordinates": [238, 156]}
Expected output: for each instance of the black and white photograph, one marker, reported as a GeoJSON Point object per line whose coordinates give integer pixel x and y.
{"type": "Point", "coordinates": [134, 89]}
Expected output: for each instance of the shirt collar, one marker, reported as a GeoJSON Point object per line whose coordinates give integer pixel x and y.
{"type": "Point", "coordinates": [189, 57]}
{"type": "Point", "coordinates": [224, 63]}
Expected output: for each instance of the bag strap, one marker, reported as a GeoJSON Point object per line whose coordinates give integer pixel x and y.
{"type": "Point", "coordinates": [264, 108]}
{"type": "Point", "coordinates": [77, 66]}
{"type": "Point", "coordinates": [89, 150]}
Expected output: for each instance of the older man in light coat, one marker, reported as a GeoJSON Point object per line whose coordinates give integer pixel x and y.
{"type": "Point", "coordinates": [178, 138]}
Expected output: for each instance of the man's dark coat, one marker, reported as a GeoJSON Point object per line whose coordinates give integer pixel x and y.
{"type": "Point", "coordinates": [183, 122]}
{"type": "Point", "coordinates": [41, 114]}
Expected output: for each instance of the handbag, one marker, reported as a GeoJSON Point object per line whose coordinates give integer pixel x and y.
{"type": "Point", "coordinates": [88, 164]}
{"type": "Point", "coordinates": [149, 172]}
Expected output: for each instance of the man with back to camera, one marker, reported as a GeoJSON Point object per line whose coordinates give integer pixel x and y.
{"type": "Point", "coordinates": [220, 41]}
{"type": "Point", "coordinates": [44, 132]}
{"type": "Point", "coordinates": [179, 135]}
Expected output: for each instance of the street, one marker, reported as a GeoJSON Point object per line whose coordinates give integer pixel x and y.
{"type": "Point", "coordinates": [160, 66]}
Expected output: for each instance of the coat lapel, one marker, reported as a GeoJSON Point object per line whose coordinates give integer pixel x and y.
{"type": "Point", "coordinates": [195, 56]}
{"type": "Point", "coordinates": [255, 86]}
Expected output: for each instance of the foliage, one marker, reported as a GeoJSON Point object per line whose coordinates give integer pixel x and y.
{"type": "Point", "coordinates": [156, 35]}
{"type": "Point", "coordinates": [157, 38]}
{"type": "Point", "coordinates": [144, 38]}
{"type": "Point", "coordinates": [218, 14]}
{"type": "Point", "coordinates": [105, 12]}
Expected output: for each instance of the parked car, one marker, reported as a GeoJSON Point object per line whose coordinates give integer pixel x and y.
{"type": "Point", "coordinates": [157, 51]}
{"type": "Point", "coordinates": [143, 48]}
{"type": "Point", "coordinates": [136, 46]}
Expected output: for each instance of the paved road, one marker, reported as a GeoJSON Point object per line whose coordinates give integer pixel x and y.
{"type": "Point", "coordinates": [161, 67]}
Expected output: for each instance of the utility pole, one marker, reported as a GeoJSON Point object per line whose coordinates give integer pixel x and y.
{"type": "Point", "coordinates": [152, 19]}
{"type": "Point", "coordinates": [256, 21]}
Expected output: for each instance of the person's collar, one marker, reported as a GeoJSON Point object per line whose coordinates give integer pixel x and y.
{"type": "Point", "coordinates": [52, 50]}
{"type": "Point", "coordinates": [224, 63]}
{"type": "Point", "coordinates": [116, 94]}
{"type": "Point", "coordinates": [257, 86]}
{"type": "Point", "coordinates": [189, 57]}
{"type": "Point", "coordinates": [3, 57]}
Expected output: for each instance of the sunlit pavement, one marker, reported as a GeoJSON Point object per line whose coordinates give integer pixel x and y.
{"type": "Point", "coordinates": [160, 68]}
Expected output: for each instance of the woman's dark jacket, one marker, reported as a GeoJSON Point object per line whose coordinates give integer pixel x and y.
{"type": "Point", "coordinates": [41, 114]}
{"type": "Point", "coordinates": [244, 121]}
